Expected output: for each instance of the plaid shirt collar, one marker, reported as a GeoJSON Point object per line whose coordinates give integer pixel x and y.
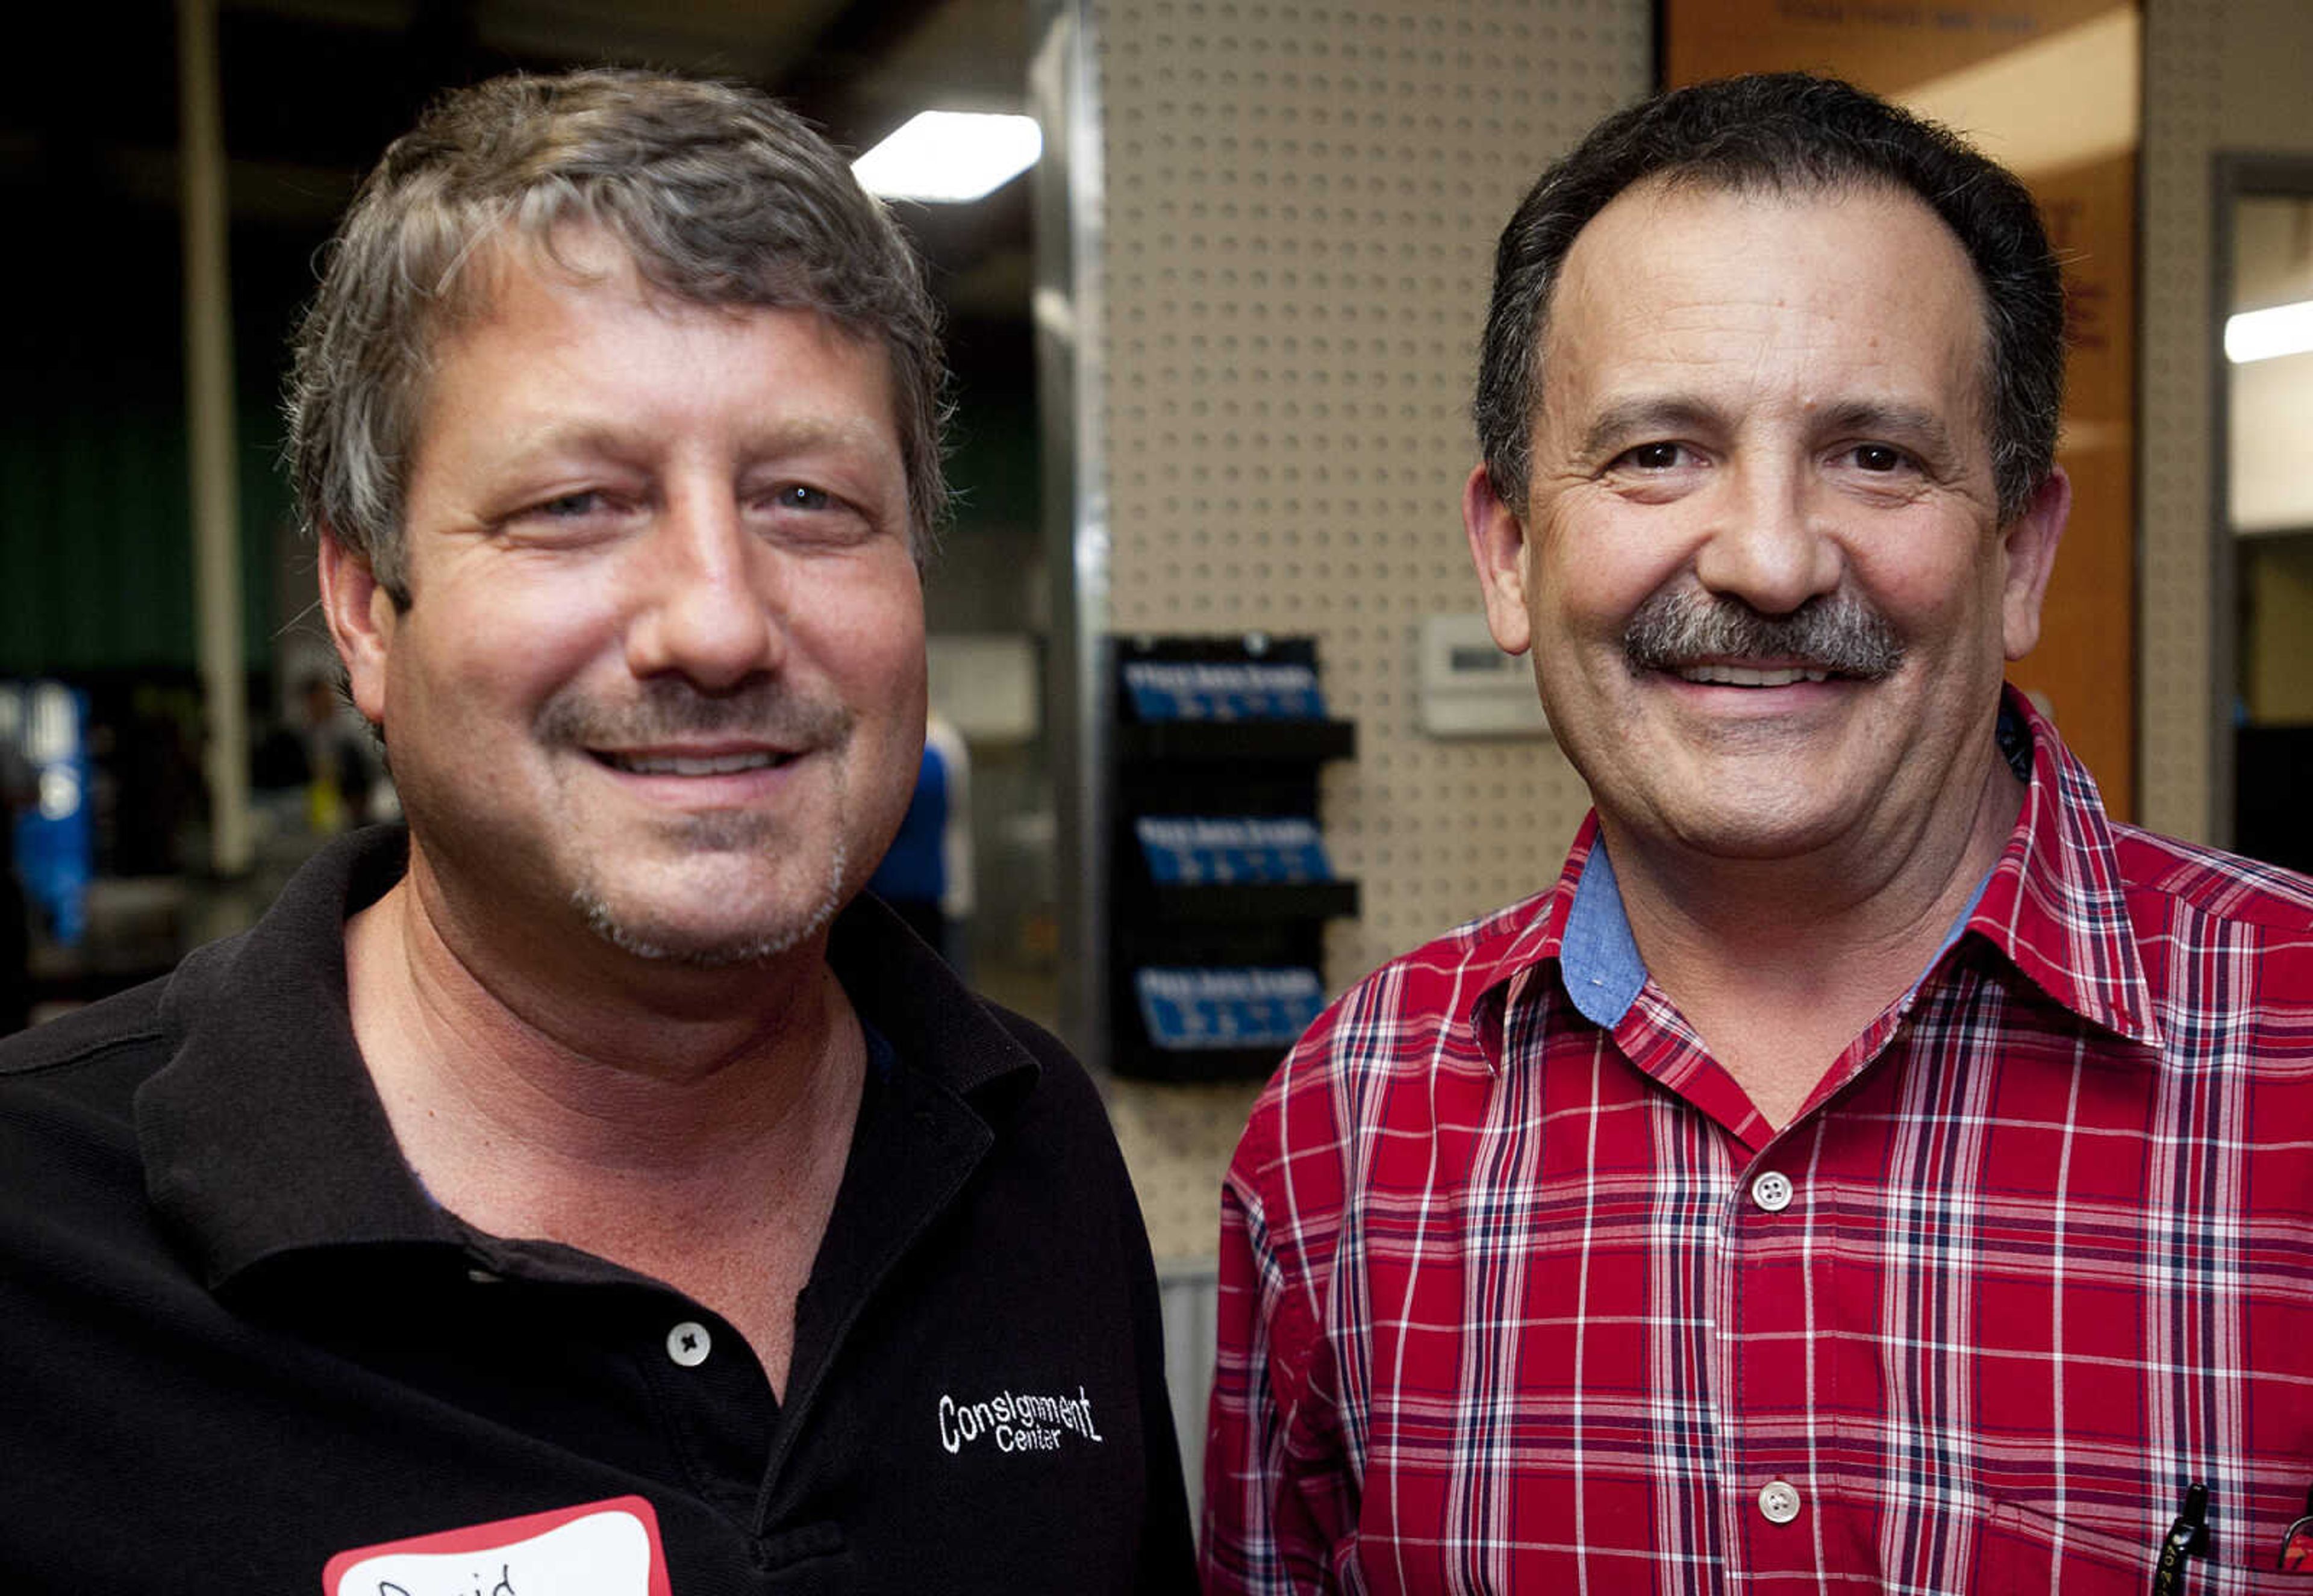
{"type": "Point", "coordinates": [2053, 907]}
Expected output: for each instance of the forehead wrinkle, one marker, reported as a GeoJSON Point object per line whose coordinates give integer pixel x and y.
{"type": "Point", "coordinates": [549, 413]}
{"type": "Point", "coordinates": [1749, 333]}
{"type": "Point", "coordinates": [786, 434]}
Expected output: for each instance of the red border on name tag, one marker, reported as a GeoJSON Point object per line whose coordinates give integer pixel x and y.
{"type": "Point", "coordinates": [498, 1532]}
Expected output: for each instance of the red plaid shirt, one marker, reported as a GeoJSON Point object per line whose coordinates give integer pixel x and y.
{"type": "Point", "coordinates": [1515, 1301]}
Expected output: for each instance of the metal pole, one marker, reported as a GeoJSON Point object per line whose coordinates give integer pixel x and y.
{"type": "Point", "coordinates": [1064, 86]}
{"type": "Point", "coordinates": [209, 420]}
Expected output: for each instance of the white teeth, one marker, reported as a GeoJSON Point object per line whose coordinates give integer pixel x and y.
{"type": "Point", "coordinates": [1739, 676]}
{"type": "Point", "coordinates": [682, 765]}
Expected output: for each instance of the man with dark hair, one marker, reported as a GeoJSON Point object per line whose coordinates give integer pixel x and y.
{"type": "Point", "coordinates": [583, 1190]}
{"type": "Point", "coordinates": [1867, 1167]}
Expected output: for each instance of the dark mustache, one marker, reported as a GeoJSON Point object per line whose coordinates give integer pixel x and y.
{"type": "Point", "coordinates": [670, 709]}
{"type": "Point", "coordinates": [1840, 633]}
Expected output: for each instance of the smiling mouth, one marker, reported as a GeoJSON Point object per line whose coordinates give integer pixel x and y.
{"type": "Point", "coordinates": [731, 764]}
{"type": "Point", "coordinates": [1744, 676]}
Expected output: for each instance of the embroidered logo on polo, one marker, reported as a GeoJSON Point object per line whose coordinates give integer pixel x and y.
{"type": "Point", "coordinates": [1017, 1422]}
{"type": "Point", "coordinates": [598, 1549]}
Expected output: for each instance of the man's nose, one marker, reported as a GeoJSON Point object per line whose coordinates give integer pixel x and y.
{"type": "Point", "coordinates": [707, 608]}
{"type": "Point", "coordinates": [1769, 541]}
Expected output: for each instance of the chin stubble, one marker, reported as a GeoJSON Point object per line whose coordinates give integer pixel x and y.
{"type": "Point", "coordinates": [605, 923]}
{"type": "Point", "coordinates": [668, 709]}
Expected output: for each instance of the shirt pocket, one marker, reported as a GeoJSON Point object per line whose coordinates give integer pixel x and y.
{"type": "Point", "coordinates": [2020, 1552]}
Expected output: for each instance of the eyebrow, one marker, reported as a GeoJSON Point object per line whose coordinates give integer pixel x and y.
{"type": "Point", "coordinates": [1646, 413]}
{"type": "Point", "coordinates": [787, 436]}
{"type": "Point", "coordinates": [1916, 423]}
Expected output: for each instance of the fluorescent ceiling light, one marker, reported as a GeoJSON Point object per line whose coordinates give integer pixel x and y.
{"type": "Point", "coordinates": [2266, 334]}
{"type": "Point", "coordinates": [950, 156]}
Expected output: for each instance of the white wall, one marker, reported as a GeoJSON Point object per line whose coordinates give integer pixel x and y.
{"type": "Point", "coordinates": [2271, 478]}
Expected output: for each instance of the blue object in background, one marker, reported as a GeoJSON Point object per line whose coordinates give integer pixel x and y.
{"type": "Point", "coordinates": [915, 868]}
{"type": "Point", "coordinates": [1191, 851]}
{"type": "Point", "coordinates": [1223, 690]}
{"type": "Point", "coordinates": [1194, 1010]}
{"type": "Point", "coordinates": [45, 724]}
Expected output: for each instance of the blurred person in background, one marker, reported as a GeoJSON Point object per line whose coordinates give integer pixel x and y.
{"type": "Point", "coordinates": [18, 794]}
{"type": "Point", "coordinates": [926, 875]}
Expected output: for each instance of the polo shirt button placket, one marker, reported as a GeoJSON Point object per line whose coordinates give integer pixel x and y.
{"type": "Point", "coordinates": [687, 1344]}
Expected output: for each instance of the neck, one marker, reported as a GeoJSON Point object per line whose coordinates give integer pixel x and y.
{"type": "Point", "coordinates": [691, 1125]}
{"type": "Point", "coordinates": [480, 1059]}
{"type": "Point", "coordinates": [1780, 963]}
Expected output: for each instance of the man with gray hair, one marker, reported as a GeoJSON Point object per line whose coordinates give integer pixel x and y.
{"type": "Point", "coordinates": [584, 1190]}
{"type": "Point", "coordinates": [1867, 1167]}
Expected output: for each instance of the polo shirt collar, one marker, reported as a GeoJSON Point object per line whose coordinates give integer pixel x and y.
{"type": "Point", "coordinates": [934, 1022]}
{"type": "Point", "coordinates": [2053, 904]}
{"type": "Point", "coordinates": [263, 1134]}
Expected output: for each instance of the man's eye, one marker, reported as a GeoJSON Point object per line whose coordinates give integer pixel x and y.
{"type": "Point", "coordinates": [571, 506]}
{"type": "Point", "coordinates": [800, 495]}
{"type": "Point", "coordinates": [1878, 457]}
{"type": "Point", "coordinates": [1652, 457]}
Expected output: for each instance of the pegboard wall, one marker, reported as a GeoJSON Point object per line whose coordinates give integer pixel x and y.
{"type": "Point", "coordinates": [1301, 203]}
{"type": "Point", "coordinates": [2181, 86]}
{"type": "Point", "coordinates": [1299, 209]}
{"type": "Point", "coordinates": [2219, 74]}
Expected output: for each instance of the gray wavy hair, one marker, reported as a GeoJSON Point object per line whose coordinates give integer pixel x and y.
{"type": "Point", "coordinates": [721, 195]}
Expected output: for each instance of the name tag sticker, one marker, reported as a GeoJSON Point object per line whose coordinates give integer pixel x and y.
{"type": "Point", "coordinates": [599, 1548]}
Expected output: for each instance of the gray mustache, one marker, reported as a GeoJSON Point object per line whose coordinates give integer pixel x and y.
{"type": "Point", "coordinates": [669, 708]}
{"type": "Point", "coordinates": [1840, 633]}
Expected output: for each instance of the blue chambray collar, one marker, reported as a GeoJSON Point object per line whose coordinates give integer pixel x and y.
{"type": "Point", "coordinates": [1599, 961]}
{"type": "Point", "coordinates": [1597, 958]}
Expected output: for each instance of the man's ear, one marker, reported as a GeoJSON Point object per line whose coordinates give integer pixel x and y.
{"type": "Point", "coordinates": [2028, 552]}
{"type": "Point", "coordinates": [362, 617]}
{"type": "Point", "coordinates": [1498, 549]}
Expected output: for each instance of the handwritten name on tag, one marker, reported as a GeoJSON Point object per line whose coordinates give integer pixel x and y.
{"type": "Point", "coordinates": [600, 1549]}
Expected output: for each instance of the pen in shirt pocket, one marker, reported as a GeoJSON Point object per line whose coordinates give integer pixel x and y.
{"type": "Point", "coordinates": [2188, 1536]}
{"type": "Point", "coordinates": [2297, 1542]}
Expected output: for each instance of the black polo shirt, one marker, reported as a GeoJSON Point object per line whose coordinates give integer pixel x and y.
{"type": "Point", "coordinates": [237, 1341]}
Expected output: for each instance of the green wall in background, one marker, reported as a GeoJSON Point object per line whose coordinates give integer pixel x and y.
{"type": "Point", "coordinates": [96, 557]}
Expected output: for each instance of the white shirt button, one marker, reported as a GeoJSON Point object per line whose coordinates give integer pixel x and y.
{"type": "Point", "coordinates": [1778, 1501]}
{"type": "Point", "coordinates": [688, 1343]}
{"type": "Point", "coordinates": [1772, 1192]}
